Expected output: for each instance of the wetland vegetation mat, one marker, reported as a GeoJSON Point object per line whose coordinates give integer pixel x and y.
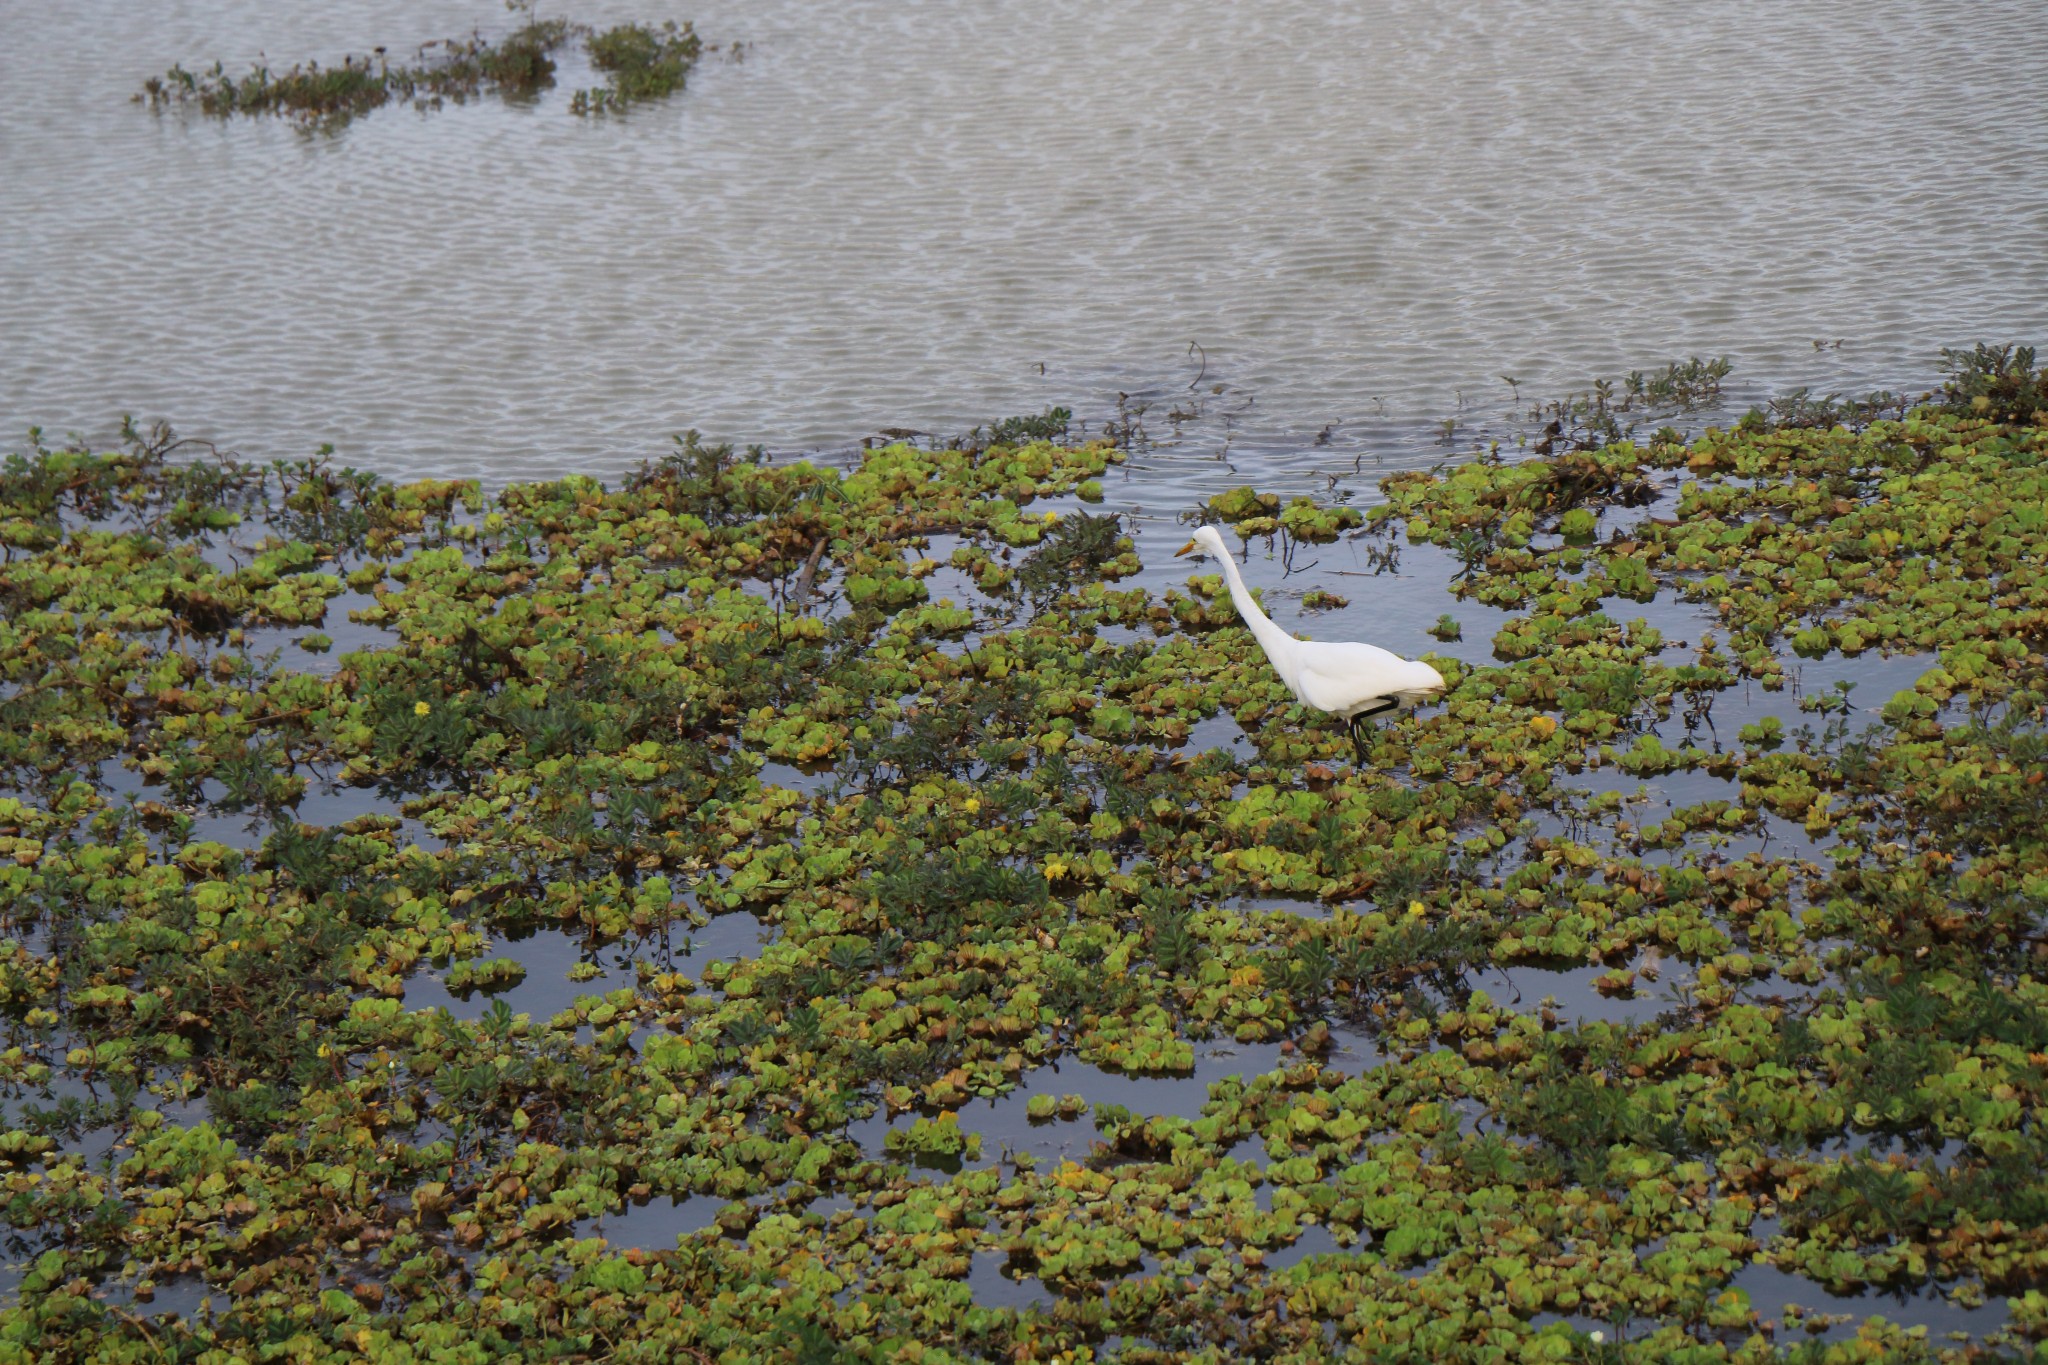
{"type": "Point", "coordinates": [639, 62]}
{"type": "Point", "coordinates": [1486, 1053]}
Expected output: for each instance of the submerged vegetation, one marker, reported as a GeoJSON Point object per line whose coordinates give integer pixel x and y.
{"type": "Point", "coordinates": [985, 796]}
{"type": "Point", "coordinates": [640, 62]}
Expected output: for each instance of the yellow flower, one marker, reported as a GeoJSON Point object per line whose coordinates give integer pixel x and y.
{"type": "Point", "coordinates": [1417, 909]}
{"type": "Point", "coordinates": [1054, 869]}
{"type": "Point", "coordinates": [971, 804]}
{"type": "Point", "coordinates": [420, 708]}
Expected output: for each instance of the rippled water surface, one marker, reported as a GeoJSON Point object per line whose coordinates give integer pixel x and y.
{"type": "Point", "coordinates": [930, 215]}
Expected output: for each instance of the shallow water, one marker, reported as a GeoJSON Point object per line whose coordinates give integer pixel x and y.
{"type": "Point", "coordinates": [656, 1224]}
{"type": "Point", "coordinates": [931, 216]}
{"type": "Point", "coordinates": [1771, 1291]}
{"type": "Point", "coordinates": [550, 954]}
{"type": "Point", "coordinates": [1821, 1315]}
{"type": "Point", "coordinates": [1005, 1125]}
{"type": "Point", "coordinates": [179, 1296]}
{"type": "Point", "coordinates": [995, 1288]}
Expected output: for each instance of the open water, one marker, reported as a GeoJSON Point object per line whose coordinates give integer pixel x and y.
{"type": "Point", "coordinates": [926, 215]}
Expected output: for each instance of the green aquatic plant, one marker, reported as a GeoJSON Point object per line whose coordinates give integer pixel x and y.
{"type": "Point", "coordinates": [1596, 416]}
{"type": "Point", "coordinates": [1078, 549]}
{"type": "Point", "coordinates": [640, 62]}
{"type": "Point", "coordinates": [1682, 385]}
{"type": "Point", "coordinates": [1247, 511]}
{"type": "Point", "coordinates": [1027, 429]}
{"type": "Point", "coordinates": [518, 66]}
{"type": "Point", "coordinates": [1308, 522]}
{"type": "Point", "coordinates": [2001, 383]}
{"type": "Point", "coordinates": [328, 98]}
{"type": "Point", "coordinates": [1800, 408]}
{"type": "Point", "coordinates": [1567, 1005]}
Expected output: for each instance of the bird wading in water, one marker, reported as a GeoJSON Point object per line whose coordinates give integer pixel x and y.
{"type": "Point", "coordinates": [1346, 678]}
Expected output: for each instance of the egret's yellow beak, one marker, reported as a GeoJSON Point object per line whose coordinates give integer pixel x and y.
{"type": "Point", "coordinates": [1186, 549]}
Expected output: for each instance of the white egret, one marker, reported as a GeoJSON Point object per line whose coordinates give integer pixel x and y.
{"type": "Point", "coordinates": [1346, 678]}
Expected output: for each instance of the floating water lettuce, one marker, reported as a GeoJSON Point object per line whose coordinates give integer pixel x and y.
{"type": "Point", "coordinates": [1807, 1027]}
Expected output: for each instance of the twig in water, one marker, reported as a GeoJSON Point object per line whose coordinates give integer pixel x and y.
{"type": "Point", "coordinates": [802, 596]}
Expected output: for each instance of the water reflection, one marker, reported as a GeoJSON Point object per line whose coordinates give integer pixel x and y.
{"type": "Point", "coordinates": [563, 966]}
{"type": "Point", "coordinates": [1779, 1296]}
{"type": "Point", "coordinates": [1005, 1124]}
{"type": "Point", "coordinates": [656, 1224]}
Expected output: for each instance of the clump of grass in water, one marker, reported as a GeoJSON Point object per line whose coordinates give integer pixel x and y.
{"type": "Point", "coordinates": [328, 98]}
{"type": "Point", "coordinates": [642, 62]}
{"type": "Point", "coordinates": [520, 67]}
{"type": "Point", "coordinates": [1594, 418]}
{"type": "Point", "coordinates": [1050, 425]}
{"type": "Point", "coordinates": [317, 97]}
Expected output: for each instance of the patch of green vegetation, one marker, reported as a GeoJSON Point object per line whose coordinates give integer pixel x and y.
{"type": "Point", "coordinates": [1247, 511]}
{"type": "Point", "coordinates": [1052, 425]}
{"type": "Point", "coordinates": [1003, 856]}
{"type": "Point", "coordinates": [2001, 383]}
{"type": "Point", "coordinates": [317, 97]}
{"type": "Point", "coordinates": [1605, 411]}
{"type": "Point", "coordinates": [1077, 549]}
{"type": "Point", "coordinates": [327, 98]}
{"type": "Point", "coordinates": [640, 62]}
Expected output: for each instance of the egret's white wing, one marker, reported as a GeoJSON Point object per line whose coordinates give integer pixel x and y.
{"type": "Point", "coordinates": [1342, 676]}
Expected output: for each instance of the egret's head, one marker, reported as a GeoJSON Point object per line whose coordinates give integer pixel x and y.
{"type": "Point", "coordinates": [1209, 541]}
{"type": "Point", "coordinates": [1422, 682]}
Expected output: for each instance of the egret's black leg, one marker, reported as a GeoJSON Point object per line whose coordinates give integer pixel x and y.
{"type": "Point", "coordinates": [1359, 719]}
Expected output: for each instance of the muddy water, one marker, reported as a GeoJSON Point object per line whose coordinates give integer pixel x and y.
{"type": "Point", "coordinates": [927, 215]}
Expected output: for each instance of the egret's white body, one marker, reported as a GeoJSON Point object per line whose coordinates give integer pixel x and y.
{"type": "Point", "coordinates": [1345, 678]}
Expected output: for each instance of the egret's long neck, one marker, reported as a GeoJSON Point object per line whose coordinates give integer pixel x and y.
{"type": "Point", "coordinates": [1271, 638]}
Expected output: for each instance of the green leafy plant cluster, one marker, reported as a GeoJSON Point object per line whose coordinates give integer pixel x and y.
{"type": "Point", "coordinates": [640, 62]}
{"type": "Point", "coordinates": [1999, 382]}
{"type": "Point", "coordinates": [518, 66]}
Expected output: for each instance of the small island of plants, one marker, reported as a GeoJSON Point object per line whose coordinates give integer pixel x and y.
{"type": "Point", "coordinates": [639, 62]}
